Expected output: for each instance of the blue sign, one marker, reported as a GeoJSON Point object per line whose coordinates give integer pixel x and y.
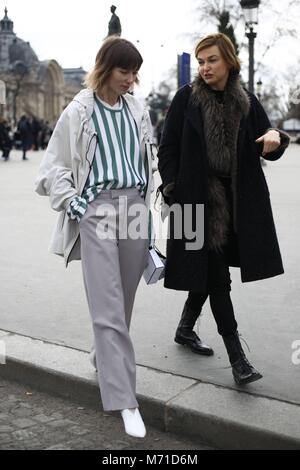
{"type": "Point", "coordinates": [184, 69]}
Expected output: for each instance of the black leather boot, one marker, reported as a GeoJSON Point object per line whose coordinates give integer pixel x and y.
{"type": "Point", "coordinates": [186, 336]}
{"type": "Point", "coordinates": [243, 372]}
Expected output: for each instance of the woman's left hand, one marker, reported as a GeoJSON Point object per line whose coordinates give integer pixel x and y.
{"type": "Point", "coordinates": [271, 141]}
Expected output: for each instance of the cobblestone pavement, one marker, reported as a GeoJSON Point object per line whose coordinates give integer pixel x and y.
{"type": "Point", "coordinates": [30, 420]}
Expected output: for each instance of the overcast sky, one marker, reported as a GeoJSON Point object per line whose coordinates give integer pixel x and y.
{"type": "Point", "coordinates": [72, 31]}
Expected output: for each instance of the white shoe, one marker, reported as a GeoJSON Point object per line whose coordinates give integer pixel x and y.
{"type": "Point", "coordinates": [93, 359]}
{"type": "Point", "coordinates": [133, 422]}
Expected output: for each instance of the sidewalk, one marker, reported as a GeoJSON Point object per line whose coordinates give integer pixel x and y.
{"type": "Point", "coordinates": [32, 420]}
{"type": "Point", "coordinates": [47, 332]}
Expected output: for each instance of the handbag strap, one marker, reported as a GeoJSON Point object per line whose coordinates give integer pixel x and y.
{"type": "Point", "coordinates": [159, 252]}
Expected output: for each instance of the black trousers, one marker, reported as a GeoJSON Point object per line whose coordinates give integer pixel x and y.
{"type": "Point", "coordinates": [218, 291]}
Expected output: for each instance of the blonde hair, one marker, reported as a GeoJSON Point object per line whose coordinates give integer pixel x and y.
{"type": "Point", "coordinates": [225, 46]}
{"type": "Point", "coordinates": [114, 52]}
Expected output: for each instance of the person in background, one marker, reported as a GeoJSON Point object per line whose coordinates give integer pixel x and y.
{"type": "Point", "coordinates": [36, 128]}
{"type": "Point", "coordinates": [25, 130]}
{"type": "Point", "coordinates": [5, 140]}
{"type": "Point", "coordinates": [46, 132]}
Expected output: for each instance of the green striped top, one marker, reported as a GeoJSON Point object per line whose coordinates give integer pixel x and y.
{"type": "Point", "coordinates": [117, 163]}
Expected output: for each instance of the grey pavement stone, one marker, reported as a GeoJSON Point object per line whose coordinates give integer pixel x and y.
{"type": "Point", "coordinates": [56, 435]}
{"type": "Point", "coordinates": [60, 423]}
{"type": "Point", "coordinates": [23, 412]}
{"type": "Point", "coordinates": [78, 430]}
{"type": "Point", "coordinates": [4, 429]}
{"type": "Point", "coordinates": [59, 447]}
{"type": "Point", "coordinates": [23, 423]}
{"type": "Point", "coordinates": [23, 434]}
{"type": "Point", "coordinates": [56, 415]}
{"type": "Point", "coordinates": [25, 405]}
{"type": "Point", "coordinates": [43, 418]}
{"type": "Point", "coordinates": [13, 398]}
{"type": "Point", "coordinates": [40, 411]}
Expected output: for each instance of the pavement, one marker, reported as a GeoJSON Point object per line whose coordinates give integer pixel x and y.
{"type": "Point", "coordinates": [32, 420]}
{"type": "Point", "coordinates": [46, 332]}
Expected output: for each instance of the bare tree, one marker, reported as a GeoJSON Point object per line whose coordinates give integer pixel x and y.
{"type": "Point", "coordinates": [283, 25]}
{"type": "Point", "coordinates": [293, 99]}
{"type": "Point", "coordinates": [270, 11]}
{"type": "Point", "coordinates": [215, 8]}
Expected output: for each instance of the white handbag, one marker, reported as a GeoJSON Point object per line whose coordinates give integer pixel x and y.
{"type": "Point", "coordinates": [155, 268]}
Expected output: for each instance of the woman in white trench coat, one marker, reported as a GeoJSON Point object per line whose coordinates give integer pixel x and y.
{"type": "Point", "coordinates": [99, 177]}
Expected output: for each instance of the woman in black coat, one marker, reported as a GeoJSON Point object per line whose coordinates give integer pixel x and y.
{"type": "Point", "coordinates": [209, 157]}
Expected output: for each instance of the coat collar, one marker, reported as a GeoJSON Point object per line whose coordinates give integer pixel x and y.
{"type": "Point", "coordinates": [194, 115]}
{"type": "Point", "coordinates": [86, 99]}
{"type": "Point", "coordinates": [234, 94]}
{"type": "Point", "coordinates": [193, 112]}
{"type": "Point", "coordinates": [201, 94]}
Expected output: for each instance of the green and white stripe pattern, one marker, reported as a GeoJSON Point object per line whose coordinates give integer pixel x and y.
{"type": "Point", "coordinates": [118, 161]}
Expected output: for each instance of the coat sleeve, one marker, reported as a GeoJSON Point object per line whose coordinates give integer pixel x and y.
{"type": "Point", "coordinates": [55, 177]}
{"type": "Point", "coordinates": [170, 144]}
{"type": "Point", "coordinates": [262, 126]}
{"type": "Point", "coordinates": [148, 125]}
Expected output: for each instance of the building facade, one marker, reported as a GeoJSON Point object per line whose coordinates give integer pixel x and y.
{"type": "Point", "coordinates": [37, 88]}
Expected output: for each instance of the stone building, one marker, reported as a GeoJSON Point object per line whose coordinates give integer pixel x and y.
{"type": "Point", "coordinates": [36, 88]}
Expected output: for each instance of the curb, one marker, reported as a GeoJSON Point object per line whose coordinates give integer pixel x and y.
{"type": "Point", "coordinates": [213, 415]}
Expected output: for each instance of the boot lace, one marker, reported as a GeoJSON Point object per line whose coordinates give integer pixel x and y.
{"type": "Point", "coordinates": [244, 341]}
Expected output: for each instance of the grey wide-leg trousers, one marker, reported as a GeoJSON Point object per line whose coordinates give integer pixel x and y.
{"type": "Point", "coordinates": [112, 268]}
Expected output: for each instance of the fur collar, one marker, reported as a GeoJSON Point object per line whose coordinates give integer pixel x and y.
{"type": "Point", "coordinates": [221, 119]}
{"type": "Point", "coordinates": [234, 94]}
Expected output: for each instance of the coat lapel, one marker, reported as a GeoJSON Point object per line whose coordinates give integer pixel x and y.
{"type": "Point", "coordinates": [193, 114]}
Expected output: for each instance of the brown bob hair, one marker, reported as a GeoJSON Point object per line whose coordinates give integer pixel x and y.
{"type": "Point", "coordinates": [114, 52]}
{"type": "Point", "coordinates": [225, 46]}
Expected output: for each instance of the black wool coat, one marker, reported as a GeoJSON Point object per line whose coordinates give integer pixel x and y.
{"type": "Point", "coordinates": [183, 161]}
